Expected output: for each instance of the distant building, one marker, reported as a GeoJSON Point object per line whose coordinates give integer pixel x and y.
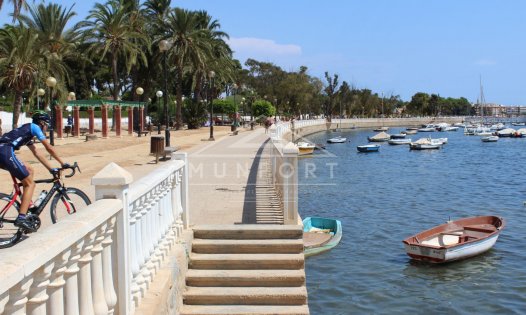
{"type": "Point", "coordinates": [497, 110]}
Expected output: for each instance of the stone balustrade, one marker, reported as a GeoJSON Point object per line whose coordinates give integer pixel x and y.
{"type": "Point", "coordinates": [102, 260]}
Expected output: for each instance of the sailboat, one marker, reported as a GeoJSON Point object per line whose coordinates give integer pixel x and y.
{"type": "Point", "coordinates": [338, 139]}
{"type": "Point", "coordinates": [482, 130]}
{"type": "Point", "coordinates": [383, 128]}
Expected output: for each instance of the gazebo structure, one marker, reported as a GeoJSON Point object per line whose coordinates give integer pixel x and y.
{"type": "Point", "coordinates": [91, 105]}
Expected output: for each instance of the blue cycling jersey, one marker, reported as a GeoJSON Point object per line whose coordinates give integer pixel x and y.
{"type": "Point", "coordinates": [23, 136]}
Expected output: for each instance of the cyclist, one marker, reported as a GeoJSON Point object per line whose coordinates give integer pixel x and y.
{"type": "Point", "coordinates": [12, 141]}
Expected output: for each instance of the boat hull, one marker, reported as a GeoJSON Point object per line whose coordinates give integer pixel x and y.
{"type": "Point", "coordinates": [368, 148]}
{"type": "Point", "coordinates": [335, 226]}
{"type": "Point", "coordinates": [455, 240]}
{"type": "Point", "coordinates": [442, 255]}
{"type": "Point", "coordinates": [418, 146]}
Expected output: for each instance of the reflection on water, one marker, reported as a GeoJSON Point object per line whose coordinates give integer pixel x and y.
{"type": "Point", "coordinates": [383, 198]}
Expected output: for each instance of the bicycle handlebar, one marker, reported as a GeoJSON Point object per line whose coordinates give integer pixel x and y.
{"type": "Point", "coordinates": [73, 169]}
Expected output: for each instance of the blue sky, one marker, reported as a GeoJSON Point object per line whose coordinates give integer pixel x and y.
{"type": "Point", "coordinates": [392, 47]}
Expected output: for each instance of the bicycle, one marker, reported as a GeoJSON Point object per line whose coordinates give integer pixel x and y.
{"type": "Point", "coordinates": [10, 234]}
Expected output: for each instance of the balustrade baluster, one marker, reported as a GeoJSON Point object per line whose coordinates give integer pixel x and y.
{"type": "Point", "coordinates": [178, 202]}
{"type": "Point", "coordinates": [71, 275]}
{"type": "Point", "coordinates": [55, 305]}
{"type": "Point", "coordinates": [138, 291]}
{"type": "Point", "coordinates": [85, 292]}
{"type": "Point", "coordinates": [16, 305]}
{"type": "Point", "coordinates": [100, 307]}
{"type": "Point", "coordinates": [136, 253]}
{"type": "Point", "coordinates": [36, 305]}
{"type": "Point", "coordinates": [107, 268]}
{"type": "Point", "coordinates": [145, 232]}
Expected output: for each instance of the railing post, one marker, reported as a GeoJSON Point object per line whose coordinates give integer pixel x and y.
{"type": "Point", "coordinates": [112, 182]}
{"type": "Point", "coordinates": [57, 282]}
{"type": "Point", "coordinates": [18, 297]}
{"type": "Point", "coordinates": [289, 171]}
{"type": "Point", "coordinates": [183, 156]}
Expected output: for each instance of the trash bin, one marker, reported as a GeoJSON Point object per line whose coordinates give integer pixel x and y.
{"type": "Point", "coordinates": [157, 146]}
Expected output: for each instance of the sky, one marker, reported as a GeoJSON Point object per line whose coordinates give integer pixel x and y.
{"type": "Point", "coordinates": [400, 47]}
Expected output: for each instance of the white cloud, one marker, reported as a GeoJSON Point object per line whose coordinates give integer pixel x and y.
{"type": "Point", "coordinates": [257, 47]}
{"type": "Point", "coordinates": [485, 62]}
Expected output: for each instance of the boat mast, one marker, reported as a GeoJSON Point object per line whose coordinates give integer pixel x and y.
{"type": "Point", "coordinates": [482, 101]}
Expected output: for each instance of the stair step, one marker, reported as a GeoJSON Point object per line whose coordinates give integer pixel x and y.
{"type": "Point", "coordinates": [246, 261]}
{"type": "Point", "coordinates": [245, 278]}
{"type": "Point", "coordinates": [210, 246]}
{"type": "Point", "coordinates": [248, 231]}
{"type": "Point", "coordinates": [244, 310]}
{"type": "Point", "coordinates": [245, 296]}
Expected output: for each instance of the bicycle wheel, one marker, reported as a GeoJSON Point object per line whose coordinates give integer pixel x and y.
{"type": "Point", "coordinates": [9, 233]}
{"type": "Point", "coordinates": [70, 202]}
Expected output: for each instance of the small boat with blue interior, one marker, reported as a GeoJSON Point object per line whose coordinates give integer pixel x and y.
{"type": "Point", "coordinates": [490, 139]}
{"type": "Point", "coordinates": [368, 148]}
{"type": "Point", "coordinates": [338, 139]}
{"type": "Point", "coordinates": [455, 240]}
{"type": "Point", "coordinates": [320, 235]}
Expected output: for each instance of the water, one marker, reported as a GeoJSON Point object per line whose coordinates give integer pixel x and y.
{"type": "Point", "coordinates": [381, 198]}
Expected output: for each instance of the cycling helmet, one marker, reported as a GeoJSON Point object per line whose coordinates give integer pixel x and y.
{"type": "Point", "coordinates": [41, 116]}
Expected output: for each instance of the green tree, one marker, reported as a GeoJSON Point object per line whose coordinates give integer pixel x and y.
{"type": "Point", "coordinates": [110, 31]}
{"type": "Point", "coordinates": [20, 59]}
{"type": "Point", "coordinates": [263, 108]}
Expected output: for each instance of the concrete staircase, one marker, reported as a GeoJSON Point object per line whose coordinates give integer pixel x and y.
{"type": "Point", "coordinates": [246, 270]}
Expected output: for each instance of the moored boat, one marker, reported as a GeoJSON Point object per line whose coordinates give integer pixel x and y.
{"type": "Point", "coordinates": [398, 136]}
{"type": "Point", "coordinates": [381, 129]}
{"type": "Point", "coordinates": [381, 137]}
{"type": "Point", "coordinates": [399, 141]}
{"type": "Point", "coordinates": [455, 240]}
{"type": "Point", "coordinates": [338, 139]}
{"type": "Point", "coordinates": [490, 139]}
{"type": "Point", "coordinates": [508, 132]}
{"type": "Point", "coordinates": [368, 148]}
{"type": "Point", "coordinates": [320, 235]}
{"type": "Point", "coordinates": [305, 148]}
{"type": "Point", "coordinates": [423, 146]}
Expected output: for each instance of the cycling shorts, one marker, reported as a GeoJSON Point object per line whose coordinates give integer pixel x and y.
{"type": "Point", "coordinates": [10, 163]}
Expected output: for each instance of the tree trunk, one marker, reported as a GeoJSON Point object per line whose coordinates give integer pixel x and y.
{"type": "Point", "coordinates": [17, 106]}
{"type": "Point", "coordinates": [115, 86]}
{"type": "Point", "coordinates": [179, 92]}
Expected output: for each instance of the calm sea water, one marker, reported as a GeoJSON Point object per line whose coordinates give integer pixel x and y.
{"type": "Point", "coordinates": [381, 198]}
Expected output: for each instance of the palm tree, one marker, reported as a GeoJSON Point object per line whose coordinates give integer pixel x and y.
{"type": "Point", "coordinates": [19, 62]}
{"type": "Point", "coordinates": [17, 6]}
{"type": "Point", "coordinates": [49, 21]}
{"type": "Point", "coordinates": [191, 46]}
{"type": "Point", "coordinates": [109, 31]}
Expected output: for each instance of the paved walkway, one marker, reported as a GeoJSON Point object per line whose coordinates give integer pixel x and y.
{"type": "Point", "coordinates": [223, 176]}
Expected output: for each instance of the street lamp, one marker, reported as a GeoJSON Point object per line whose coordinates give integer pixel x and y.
{"type": "Point", "coordinates": [276, 105]}
{"type": "Point", "coordinates": [51, 82]}
{"type": "Point", "coordinates": [234, 87]}
{"type": "Point", "coordinates": [243, 102]}
{"type": "Point", "coordinates": [71, 96]}
{"type": "Point", "coordinates": [40, 93]}
{"type": "Point", "coordinates": [164, 45]}
{"type": "Point", "coordinates": [159, 94]}
{"type": "Point", "coordinates": [211, 74]}
{"type": "Point", "coordinates": [139, 91]}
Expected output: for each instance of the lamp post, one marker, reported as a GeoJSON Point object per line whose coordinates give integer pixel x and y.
{"type": "Point", "coordinates": [251, 110]}
{"type": "Point", "coordinates": [211, 75]}
{"type": "Point", "coordinates": [243, 102]}
{"type": "Point", "coordinates": [277, 112]}
{"type": "Point", "coordinates": [159, 94]}
{"type": "Point", "coordinates": [40, 93]}
{"type": "Point", "coordinates": [139, 91]}
{"type": "Point", "coordinates": [164, 45]}
{"type": "Point", "coordinates": [51, 82]}
{"type": "Point", "coordinates": [235, 107]}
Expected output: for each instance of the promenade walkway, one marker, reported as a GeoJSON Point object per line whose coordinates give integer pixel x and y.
{"type": "Point", "coordinates": [223, 177]}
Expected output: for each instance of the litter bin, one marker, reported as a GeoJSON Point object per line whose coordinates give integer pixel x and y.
{"type": "Point", "coordinates": [157, 146]}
